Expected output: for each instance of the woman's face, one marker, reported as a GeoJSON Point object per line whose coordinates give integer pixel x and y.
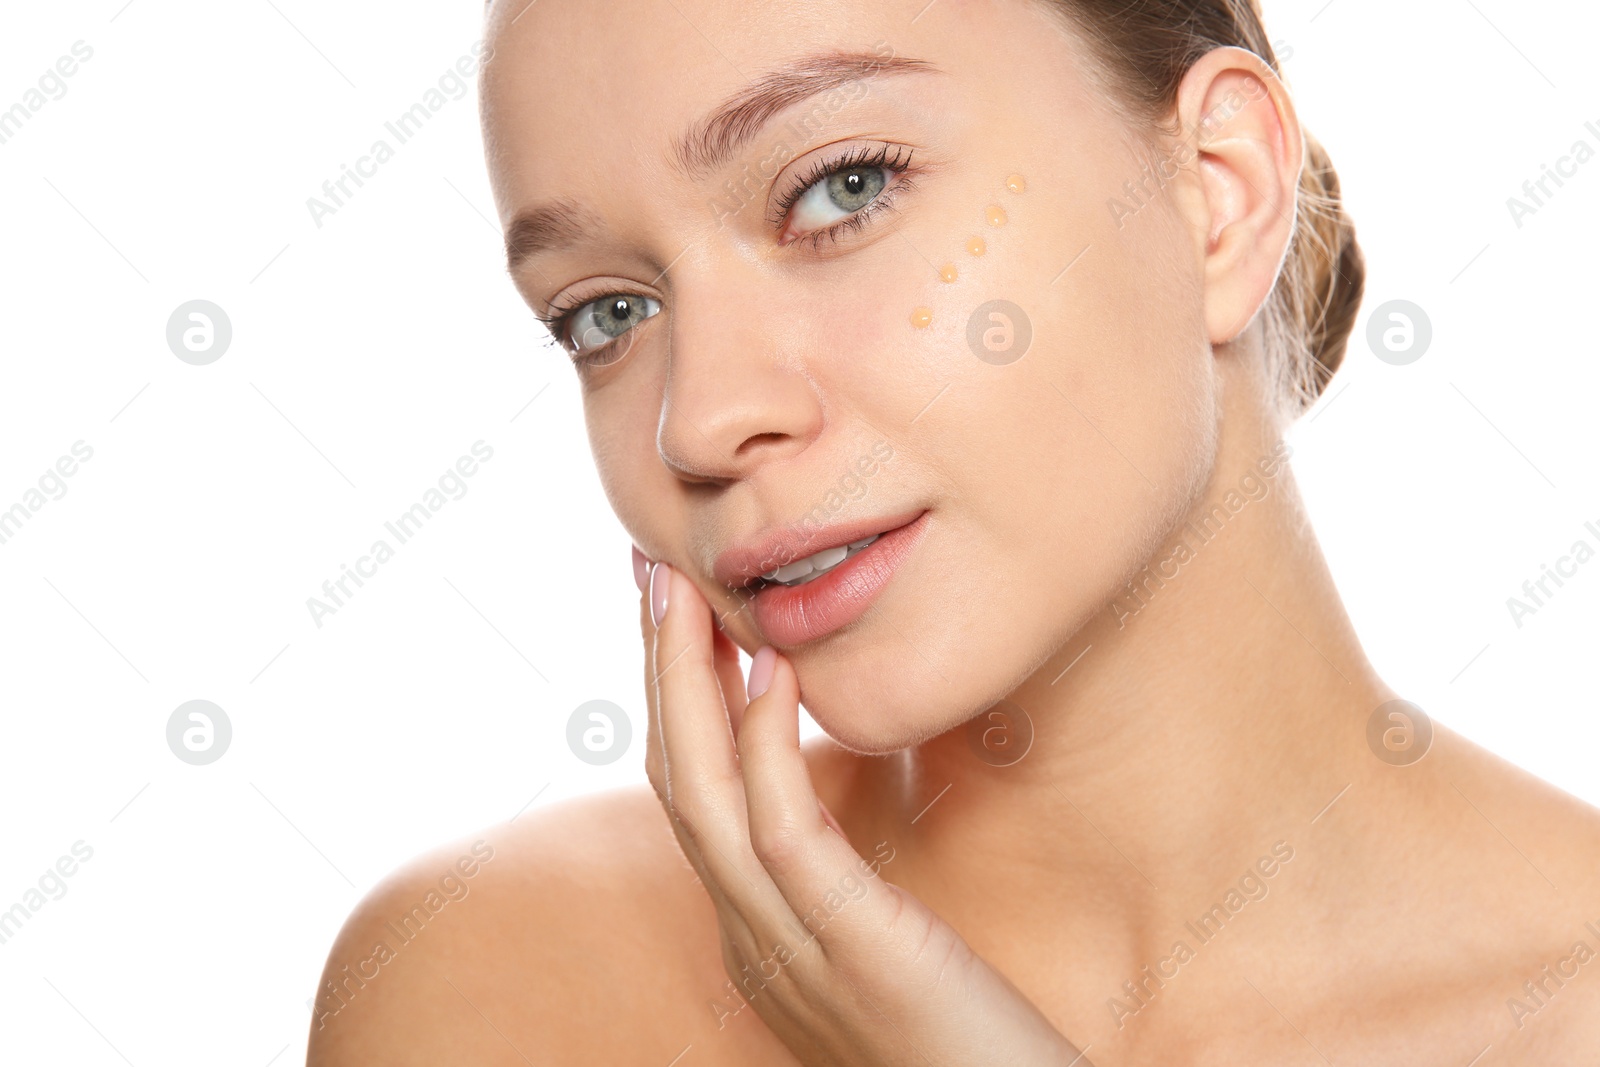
{"type": "Point", "coordinates": [786, 337]}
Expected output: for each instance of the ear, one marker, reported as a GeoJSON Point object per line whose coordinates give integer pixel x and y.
{"type": "Point", "coordinates": [1239, 117]}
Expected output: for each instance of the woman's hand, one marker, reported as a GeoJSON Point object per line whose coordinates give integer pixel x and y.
{"type": "Point", "coordinates": [845, 968]}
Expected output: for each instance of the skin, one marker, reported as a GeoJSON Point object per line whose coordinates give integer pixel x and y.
{"type": "Point", "coordinates": [1182, 745]}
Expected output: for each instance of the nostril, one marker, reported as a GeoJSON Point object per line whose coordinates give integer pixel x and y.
{"type": "Point", "coordinates": [754, 441]}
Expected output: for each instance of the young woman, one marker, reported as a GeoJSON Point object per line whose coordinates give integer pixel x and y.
{"type": "Point", "coordinates": [939, 356]}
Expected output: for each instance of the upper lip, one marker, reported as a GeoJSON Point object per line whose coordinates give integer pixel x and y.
{"type": "Point", "coordinates": [776, 546]}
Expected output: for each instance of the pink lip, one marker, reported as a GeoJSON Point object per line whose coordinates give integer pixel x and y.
{"type": "Point", "coordinates": [793, 615]}
{"type": "Point", "coordinates": [739, 565]}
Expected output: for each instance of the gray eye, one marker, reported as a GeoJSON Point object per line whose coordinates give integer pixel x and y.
{"type": "Point", "coordinates": [852, 190]}
{"type": "Point", "coordinates": [838, 196]}
{"type": "Point", "coordinates": [599, 322]}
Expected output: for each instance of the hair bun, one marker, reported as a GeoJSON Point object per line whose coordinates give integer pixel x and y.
{"type": "Point", "coordinates": [1148, 47]}
{"type": "Point", "coordinates": [1323, 279]}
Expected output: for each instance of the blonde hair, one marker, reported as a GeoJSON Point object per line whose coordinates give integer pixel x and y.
{"type": "Point", "coordinates": [1146, 48]}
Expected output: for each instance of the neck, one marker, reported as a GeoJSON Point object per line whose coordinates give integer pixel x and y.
{"type": "Point", "coordinates": [1210, 711]}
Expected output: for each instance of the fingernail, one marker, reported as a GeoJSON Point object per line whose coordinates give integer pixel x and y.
{"type": "Point", "coordinates": [761, 667]}
{"type": "Point", "coordinates": [641, 569]}
{"type": "Point", "coordinates": [660, 578]}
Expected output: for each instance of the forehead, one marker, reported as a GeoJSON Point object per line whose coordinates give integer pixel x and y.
{"type": "Point", "coordinates": [582, 89]}
{"type": "Point", "coordinates": [668, 53]}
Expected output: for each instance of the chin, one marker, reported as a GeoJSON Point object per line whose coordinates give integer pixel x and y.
{"type": "Point", "coordinates": [912, 669]}
{"type": "Point", "coordinates": [874, 694]}
{"type": "Point", "coordinates": [887, 730]}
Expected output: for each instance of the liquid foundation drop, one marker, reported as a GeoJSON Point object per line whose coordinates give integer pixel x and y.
{"type": "Point", "coordinates": [975, 246]}
{"type": "Point", "coordinates": [996, 215]}
{"type": "Point", "coordinates": [1015, 183]}
{"type": "Point", "coordinates": [921, 317]}
{"type": "Point", "coordinates": [947, 273]}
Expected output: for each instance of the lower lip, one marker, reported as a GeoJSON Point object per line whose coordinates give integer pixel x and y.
{"type": "Point", "coordinates": [793, 615]}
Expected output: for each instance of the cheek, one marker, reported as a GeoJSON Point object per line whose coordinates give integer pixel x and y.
{"type": "Point", "coordinates": [1054, 476]}
{"type": "Point", "coordinates": [851, 329]}
{"type": "Point", "coordinates": [622, 442]}
{"type": "Point", "coordinates": [1075, 401]}
{"type": "Point", "coordinates": [1099, 441]}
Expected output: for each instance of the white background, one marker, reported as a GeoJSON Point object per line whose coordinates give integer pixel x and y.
{"type": "Point", "coordinates": [368, 354]}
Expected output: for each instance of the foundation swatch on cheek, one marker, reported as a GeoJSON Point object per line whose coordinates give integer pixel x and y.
{"type": "Point", "coordinates": [922, 317]}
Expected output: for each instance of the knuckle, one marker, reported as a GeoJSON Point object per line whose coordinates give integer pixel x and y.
{"type": "Point", "coordinates": [935, 955]}
{"type": "Point", "coordinates": [778, 845]}
{"type": "Point", "coordinates": [947, 963]}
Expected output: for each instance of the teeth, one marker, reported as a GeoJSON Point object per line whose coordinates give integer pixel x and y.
{"type": "Point", "coordinates": [790, 571]}
{"type": "Point", "coordinates": [817, 564]}
{"type": "Point", "coordinates": [829, 557]}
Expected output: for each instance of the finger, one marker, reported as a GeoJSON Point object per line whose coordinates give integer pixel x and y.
{"type": "Point", "coordinates": [641, 570]}
{"type": "Point", "coordinates": [735, 930]}
{"type": "Point", "coordinates": [730, 676]}
{"type": "Point", "coordinates": [704, 789]}
{"type": "Point", "coordinates": [809, 860]}
{"type": "Point", "coordinates": [655, 763]}
{"type": "Point", "coordinates": [729, 920]}
{"type": "Point", "coordinates": [833, 823]}
{"type": "Point", "coordinates": [655, 760]}
{"type": "Point", "coordinates": [782, 807]}
{"type": "Point", "coordinates": [695, 732]}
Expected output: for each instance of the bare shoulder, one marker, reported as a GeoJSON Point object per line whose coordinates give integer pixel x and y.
{"type": "Point", "coordinates": [1538, 847]}
{"type": "Point", "coordinates": [1555, 834]}
{"type": "Point", "coordinates": [577, 933]}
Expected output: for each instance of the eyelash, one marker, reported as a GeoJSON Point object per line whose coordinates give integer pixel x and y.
{"type": "Point", "coordinates": [556, 322]}
{"type": "Point", "coordinates": [886, 156]}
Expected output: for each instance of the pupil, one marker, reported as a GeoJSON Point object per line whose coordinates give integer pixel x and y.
{"type": "Point", "coordinates": [851, 190]}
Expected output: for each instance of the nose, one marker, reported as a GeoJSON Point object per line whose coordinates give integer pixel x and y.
{"type": "Point", "coordinates": [736, 395]}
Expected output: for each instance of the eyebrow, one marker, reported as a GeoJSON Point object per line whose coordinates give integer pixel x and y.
{"type": "Point", "coordinates": [557, 224]}
{"type": "Point", "coordinates": [713, 140]}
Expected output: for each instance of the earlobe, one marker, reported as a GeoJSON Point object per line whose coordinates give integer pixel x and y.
{"type": "Point", "coordinates": [1250, 153]}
